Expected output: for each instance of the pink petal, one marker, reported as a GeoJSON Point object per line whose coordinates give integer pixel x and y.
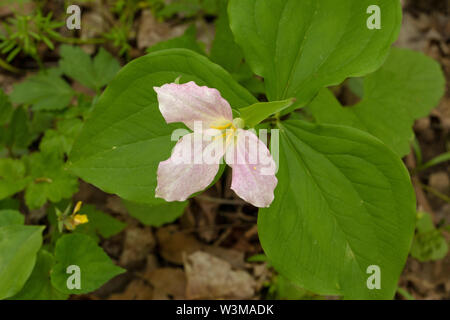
{"type": "Point", "coordinates": [191, 168]}
{"type": "Point", "coordinates": [253, 169]}
{"type": "Point", "coordinates": [189, 103]}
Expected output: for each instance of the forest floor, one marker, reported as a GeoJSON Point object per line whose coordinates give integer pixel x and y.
{"type": "Point", "coordinates": [203, 255]}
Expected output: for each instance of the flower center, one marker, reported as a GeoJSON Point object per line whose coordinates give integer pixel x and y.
{"type": "Point", "coordinates": [228, 129]}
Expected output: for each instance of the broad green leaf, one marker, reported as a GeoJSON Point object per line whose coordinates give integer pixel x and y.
{"type": "Point", "coordinates": [50, 180]}
{"type": "Point", "coordinates": [225, 51]}
{"type": "Point", "coordinates": [156, 215]}
{"type": "Point", "coordinates": [210, 6]}
{"type": "Point", "coordinates": [9, 217]}
{"type": "Point", "coordinates": [105, 68]}
{"type": "Point", "coordinates": [6, 109]}
{"type": "Point", "coordinates": [38, 285]}
{"type": "Point", "coordinates": [79, 66]}
{"type": "Point", "coordinates": [126, 137]}
{"type": "Point", "coordinates": [18, 247]}
{"type": "Point", "coordinates": [256, 113]}
{"type": "Point", "coordinates": [45, 91]}
{"type": "Point", "coordinates": [96, 268]}
{"type": "Point", "coordinates": [406, 88]}
{"type": "Point", "coordinates": [54, 142]}
{"type": "Point", "coordinates": [356, 85]}
{"type": "Point", "coordinates": [17, 134]}
{"type": "Point", "coordinates": [187, 41]}
{"type": "Point", "coordinates": [61, 139]}
{"type": "Point", "coordinates": [283, 289]}
{"type": "Point", "coordinates": [9, 204]}
{"type": "Point", "coordinates": [41, 121]}
{"type": "Point", "coordinates": [12, 177]}
{"type": "Point", "coordinates": [99, 223]}
{"type": "Point", "coordinates": [344, 202]}
{"type": "Point", "coordinates": [301, 46]}
{"type": "Point", "coordinates": [429, 243]}
{"type": "Point", "coordinates": [188, 8]}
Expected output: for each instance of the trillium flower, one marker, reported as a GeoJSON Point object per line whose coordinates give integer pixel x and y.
{"type": "Point", "coordinates": [197, 156]}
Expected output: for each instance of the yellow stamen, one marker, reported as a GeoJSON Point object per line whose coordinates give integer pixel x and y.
{"type": "Point", "coordinates": [229, 136]}
{"type": "Point", "coordinates": [223, 127]}
{"type": "Point", "coordinates": [219, 136]}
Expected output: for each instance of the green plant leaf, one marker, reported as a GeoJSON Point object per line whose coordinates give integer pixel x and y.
{"type": "Point", "coordinates": [6, 108]}
{"type": "Point", "coordinates": [156, 215]}
{"type": "Point", "coordinates": [79, 66]}
{"type": "Point", "coordinates": [344, 201]}
{"type": "Point", "coordinates": [429, 243]}
{"type": "Point", "coordinates": [50, 180]}
{"type": "Point", "coordinates": [256, 113]}
{"type": "Point", "coordinates": [225, 51]}
{"type": "Point", "coordinates": [105, 68]}
{"type": "Point", "coordinates": [283, 289]}
{"type": "Point", "coordinates": [406, 88]}
{"type": "Point", "coordinates": [41, 121]}
{"type": "Point", "coordinates": [96, 267]}
{"type": "Point", "coordinates": [188, 8]}
{"type": "Point", "coordinates": [12, 177]}
{"type": "Point", "coordinates": [45, 91]}
{"type": "Point", "coordinates": [38, 285]}
{"type": "Point", "coordinates": [301, 46]}
{"type": "Point", "coordinates": [61, 139]}
{"type": "Point", "coordinates": [187, 41]}
{"type": "Point", "coordinates": [99, 223]}
{"type": "Point", "coordinates": [126, 137]}
{"type": "Point", "coordinates": [18, 247]}
{"type": "Point", "coordinates": [17, 135]}
{"type": "Point", "coordinates": [9, 204]}
{"type": "Point", "coordinates": [9, 217]}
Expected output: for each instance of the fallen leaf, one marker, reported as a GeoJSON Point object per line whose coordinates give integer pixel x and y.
{"type": "Point", "coordinates": [168, 283]}
{"type": "Point", "coordinates": [139, 242]}
{"type": "Point", "coordinates": [173, 243]}
{"type": "Point", "coordinates": [209, 277]}
{"type": "Point", "coordinates": [136, 290]}
{"type": "Point", "coordinates": [151, 31]}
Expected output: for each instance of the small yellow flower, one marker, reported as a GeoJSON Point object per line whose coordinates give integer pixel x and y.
{"type": "Point", "coordinates": [77, 207]}
{"type": "Point", "coordinates": [80, 219]}
{"type": "Point", "coordinates": [75, 219]}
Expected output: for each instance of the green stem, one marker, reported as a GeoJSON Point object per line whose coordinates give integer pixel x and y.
{"type": "Point", "coordinates": [436, 193]}
{"type": "Point", "coordinates": [405, 294]}
{"type": "Point", "coordinates": [5, 65]}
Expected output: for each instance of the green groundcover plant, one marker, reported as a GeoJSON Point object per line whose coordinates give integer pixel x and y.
{"type": "Point", "coordinates": [342, 216]}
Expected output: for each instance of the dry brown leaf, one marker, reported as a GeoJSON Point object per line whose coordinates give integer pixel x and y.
{"type": "Point", "coordinates": [114, 203]}
{"type": "Point", "coordinates": [136, 290]}
{"type": "Point", "coordinates": [20, 8]}
{"type": "Point", "coordinates": [262, 274]}
{"type": "Point", "coordinates": [410, 34]}
{"type": "Point", "coordinates": [440, 181]}
{"type": "Point", "coordinates": [207, 215]}
{"type": "Point", "coordinates": [234, 257]}
{"type": "Point", "coordinates": [173, 243]}
{"type": "Point", "coordinates": [151, 31]}
{"type": "Point", "coordinates": [93, 25]}
{"type": "Point", "coordinates": [168, 283]}
{"type": "Point", "coordinates": [139, 242]}
{"type": "Point", "coordinates": [209, 277]}
{"type": "Point", "coordinates": [152, 263]}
